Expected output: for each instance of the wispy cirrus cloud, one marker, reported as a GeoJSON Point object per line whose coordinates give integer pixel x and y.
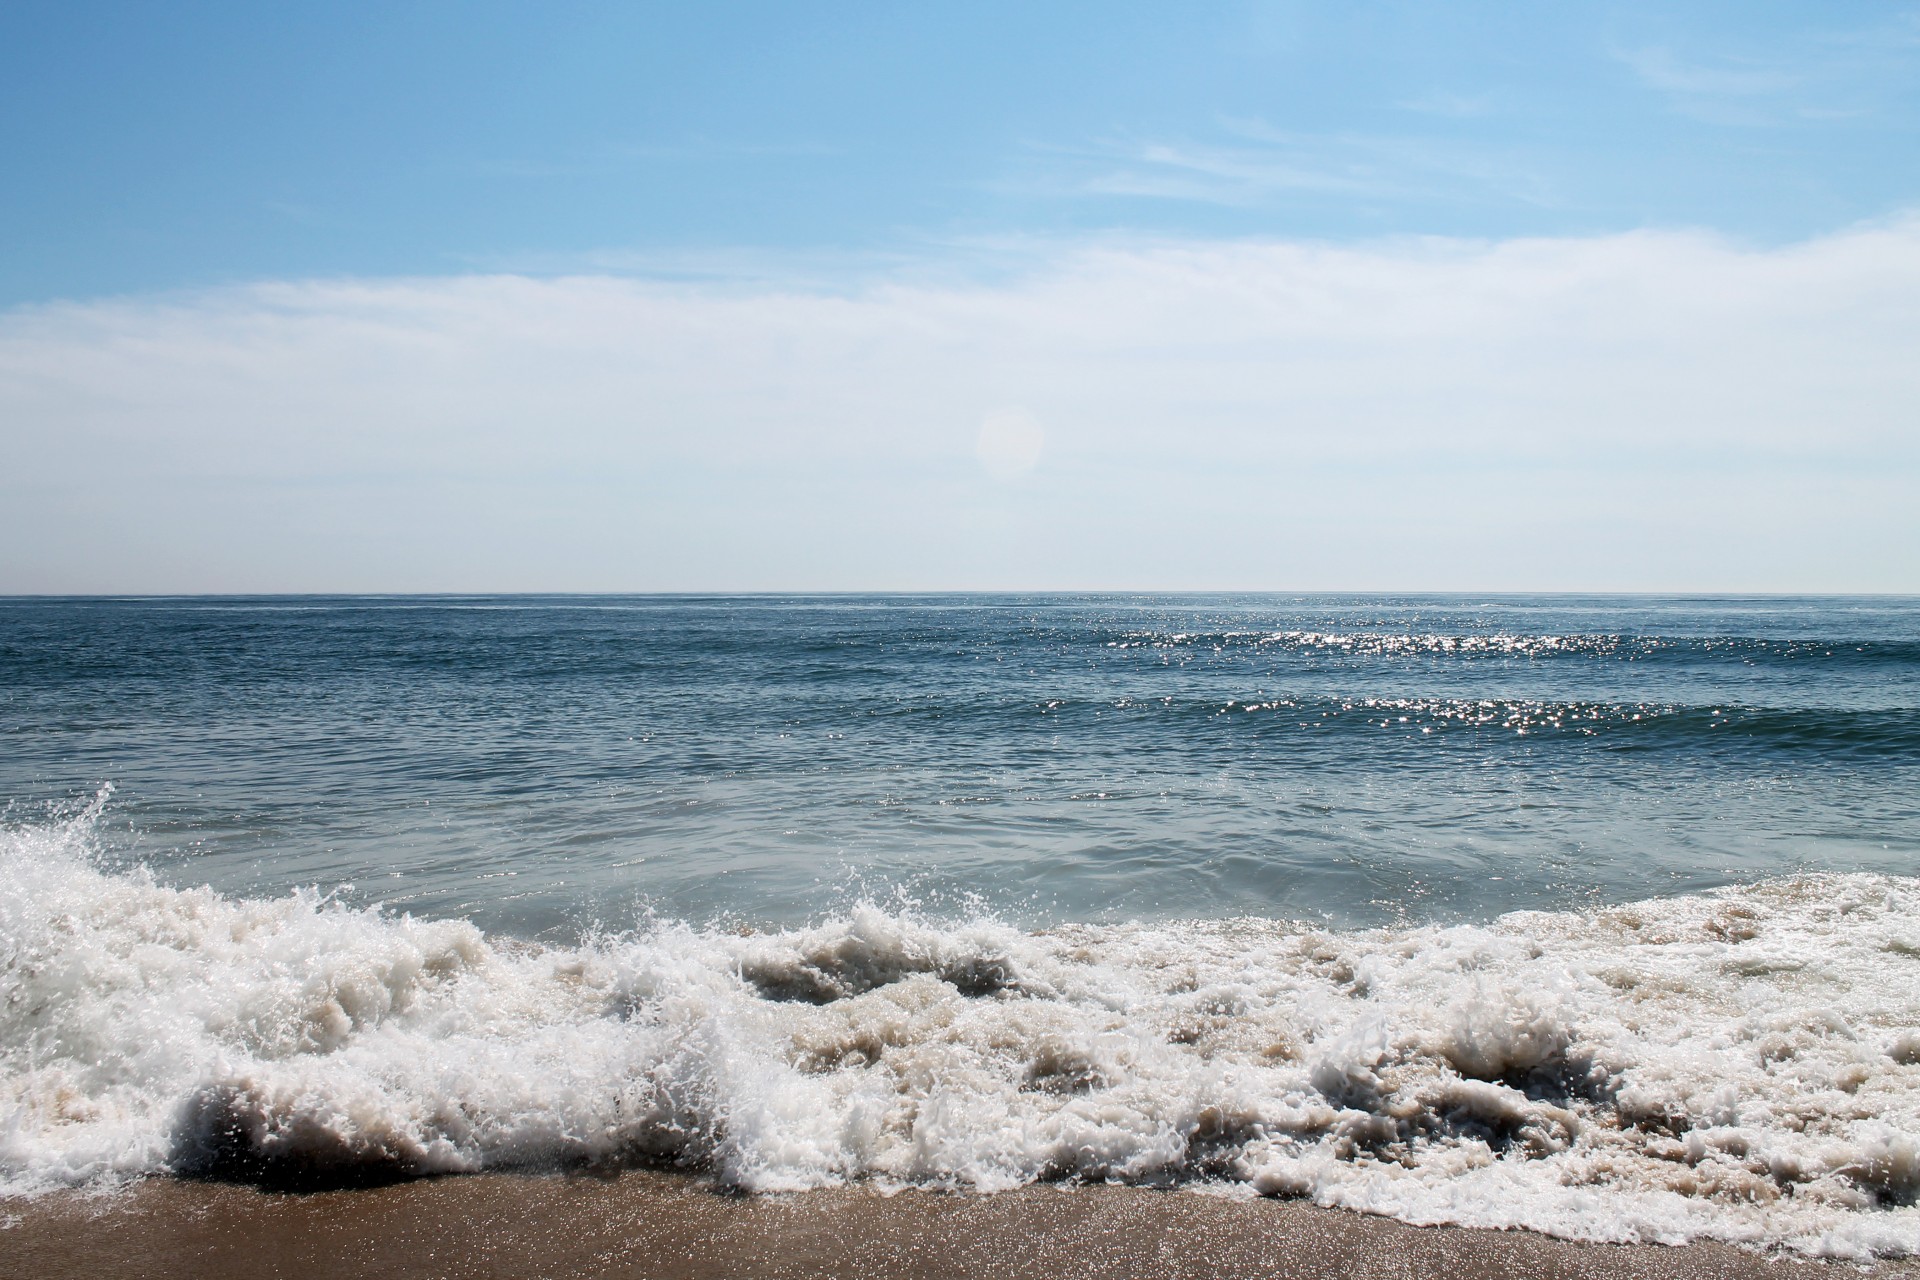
{"type": "Point", "coordinates": [1823, 74]}
{"type": "Point", "coordinates": [1233, 175]}
{"type": "Point", "coordinates": [1253, 164]}
{"type": "Point", "coordinates": [1457, 106]}
{"type": "Point", "coordinates": [1661, 68]}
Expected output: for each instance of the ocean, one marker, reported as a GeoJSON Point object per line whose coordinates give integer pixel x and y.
{"type": "Point", "coordinates": [1592, 915]}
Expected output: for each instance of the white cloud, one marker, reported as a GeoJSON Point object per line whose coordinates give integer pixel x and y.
{"type": "Point", "coordinates": [1648, 410]}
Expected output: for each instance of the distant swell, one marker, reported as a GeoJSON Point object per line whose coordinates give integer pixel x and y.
{"type": "Point", "coordinates": [1742, 1065]}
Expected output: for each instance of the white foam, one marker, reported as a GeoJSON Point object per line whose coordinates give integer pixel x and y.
{"type": "Point", "coordinates": [1743, 1065]}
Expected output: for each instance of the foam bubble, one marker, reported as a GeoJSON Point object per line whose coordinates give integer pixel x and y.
{"type": "Point", "coordinates": [1740, 1065]}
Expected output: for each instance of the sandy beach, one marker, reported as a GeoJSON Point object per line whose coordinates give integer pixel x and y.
{"type": "Point", "coordinates": [665, 1227]}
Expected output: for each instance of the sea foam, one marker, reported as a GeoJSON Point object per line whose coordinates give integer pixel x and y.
{"type": "Point", "coordinates": [1742, 1065]}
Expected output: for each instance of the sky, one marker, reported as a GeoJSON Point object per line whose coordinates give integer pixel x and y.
{"type": "Point", "coordinates": [434, 297]}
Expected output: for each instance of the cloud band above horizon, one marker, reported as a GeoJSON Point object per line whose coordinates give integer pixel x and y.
{"type": "Point", "coordinates": [1647, 411]}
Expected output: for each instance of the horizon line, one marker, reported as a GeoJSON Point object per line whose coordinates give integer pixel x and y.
{"type": "Point", "coordinates": [841, 592]}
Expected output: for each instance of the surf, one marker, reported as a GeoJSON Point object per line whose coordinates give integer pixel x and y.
{"type": "Point", "coordinates": [1739, 1065]}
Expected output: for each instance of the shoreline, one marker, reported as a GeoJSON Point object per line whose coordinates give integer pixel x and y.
{"type": "Point", "coordinates": [669, 1226]}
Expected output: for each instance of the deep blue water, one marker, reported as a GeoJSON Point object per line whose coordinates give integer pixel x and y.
{"type": "Point", "coordinates": [543, 764]}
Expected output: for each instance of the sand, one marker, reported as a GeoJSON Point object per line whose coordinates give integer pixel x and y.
{"type": "Point", "coordinates": [667, 1226]}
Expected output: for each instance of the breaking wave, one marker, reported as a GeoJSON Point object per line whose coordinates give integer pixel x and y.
{"type": "Point", "coordinates": [1741, 1065]}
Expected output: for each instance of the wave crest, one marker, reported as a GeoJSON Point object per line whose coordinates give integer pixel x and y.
{"type": "Point", "coordinates": [1737, 1065]}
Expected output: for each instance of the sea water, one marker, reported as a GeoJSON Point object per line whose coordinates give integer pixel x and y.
{"type": "Point", "coordinates": [1590, 915]}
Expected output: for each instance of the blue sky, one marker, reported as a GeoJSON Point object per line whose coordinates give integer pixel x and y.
{"type": "Point", "coordinates": [168, 146]}
{"type": "Point", "coordinates": [260, 258]}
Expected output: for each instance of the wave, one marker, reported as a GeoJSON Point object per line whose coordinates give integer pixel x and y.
{"type": "Point", "coordinates": [1741, 1065]}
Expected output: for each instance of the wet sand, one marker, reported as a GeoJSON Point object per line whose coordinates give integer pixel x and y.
{"type": "Point", "coordinates": [668, 1227]}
